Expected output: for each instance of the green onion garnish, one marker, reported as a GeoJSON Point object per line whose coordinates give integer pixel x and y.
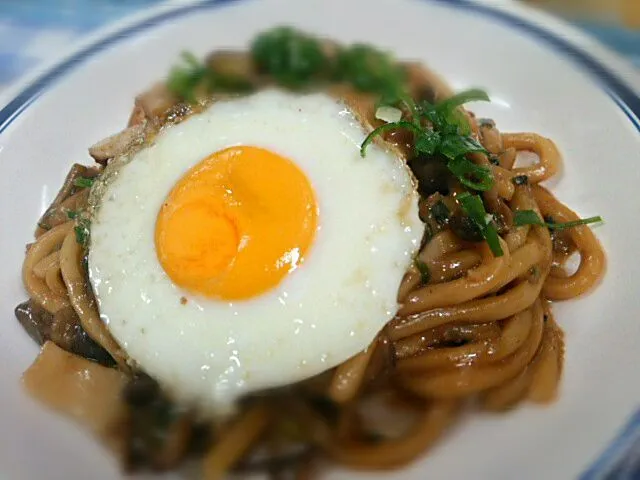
{"type": "Point", "coordinates": [472, 95]}
{"type": "Point", "coordinates": [185, 79]}
{"type": "Point", "coordinates": [443, 135]}
{"type": "Point", "coordinates": [530, 217]}
{"type": "Point", "coordinates": [453, 146]}
{"type": "Point", "coordinates": [72, 214]}
{"type": "Point", "coordinates": [385, 128]}
{"type": "Point", "coordinates": [82, 232]}
{"type": "Point", "coordinates": [83, 182]}
{"type": "Point", "coordinates": [192, 75]}
{"type": "Point", "coordinates": [473, 206]}
{"type": "Point", "coordinates": [290, 56]}
{"type": "Point", "coordinates": [471, 175]}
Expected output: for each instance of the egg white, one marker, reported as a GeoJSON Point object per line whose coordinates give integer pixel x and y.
{"type": "Point", "coordinates": [208, 352]}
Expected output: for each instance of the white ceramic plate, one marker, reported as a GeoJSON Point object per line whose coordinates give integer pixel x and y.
{"type": "Point", "coordinates": [541, 79]}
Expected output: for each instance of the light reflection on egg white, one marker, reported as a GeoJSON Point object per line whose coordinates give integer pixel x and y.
{"type": "Point", "coordinates": [234, 358]}
{"type": "Point", "coordinates": [297, 321]}
{"type": "Point", "coordinates": [145, 298]}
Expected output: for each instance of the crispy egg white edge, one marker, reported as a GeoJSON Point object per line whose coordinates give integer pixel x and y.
{"type": "Point", "coordinates": [210, 352]}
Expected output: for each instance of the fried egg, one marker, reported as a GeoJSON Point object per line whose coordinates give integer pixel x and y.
{"type": "Point", "coordinates": [251, 246]}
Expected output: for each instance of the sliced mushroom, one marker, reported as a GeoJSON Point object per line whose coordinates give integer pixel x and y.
{"type": "Point", "coordinates": [117, 144]}
{"type": "Point", "coordinates": [230, 63]}
{"type": "Point", "coordinates": [155, 102]}
{"type": "Point", "coordinates": [35, 320]}
{"type": "Point", "coordinates": [63, 328]}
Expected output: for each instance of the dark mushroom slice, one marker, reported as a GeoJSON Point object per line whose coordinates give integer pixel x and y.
{"type": "Point", "coordinates": [35, 320]}
{"type": "Point", "coordinates": [62, 328]}
{"type": "Point", "coordinates": [464, 227]}
{"type": "Point", "coordinates": [432, 174]}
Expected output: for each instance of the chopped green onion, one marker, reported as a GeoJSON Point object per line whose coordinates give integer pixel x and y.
{"type": "Point", "coordinates": [471, 175]}
{"type": "Point", "coordinates": [81, 235]}
{"type": "Point", "coordinates": [530, 217]}
{"type": "Point", "coordinates": [184, 80]}
{"type": "Point", "coordinates": [473, 95]}
{"type": "Point", "coordinates": [448, 112]}
{"type": "Point", "coordinates": [473, 206]}
{"type": "Point", "coordinates": [527, 217]}
{"type": "Point", "coordinates": [427, 142]}
{"type": "Point", "coordinates": [453, 146]}
{"type": "Point", "coordinates": [292, 57]}
{"type": "Point", "coordinates": [385, 128]}
{"type": "Point", "coordinates": [370, 70]}
{"type": "Point", "coordinates": [82, 232]}
{"type": "Point", "coordinates": [422, 267]}
{"type": "Point", "coordinates": [83, 182]}
{"type": "Point", "coordinates": [72, 214]}
{"type": "Point", "coordinates": [575, 223]}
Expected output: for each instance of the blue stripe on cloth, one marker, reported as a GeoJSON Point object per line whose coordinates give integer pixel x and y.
{"type": "Point", "coordinates": [80, 15]}
{"type": "Point", "coordinates": [13, 66]}
{"type": "Point", "coordinates": [623, 40]}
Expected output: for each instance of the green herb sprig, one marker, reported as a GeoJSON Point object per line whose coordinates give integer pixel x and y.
{"type": "Point", "coordinates": [296, 60]}
{"type": "Point", "coordinates": [291, 57]}
{"type": "Point", "coordinates": [82, 231]}
{"type": "Point", "coordinates": [186, 80]}
{"type": "Point", "coordinates": [530, 217]}
{"type": "Point", "coordinates": [473, 206]}
{"type": "Point", "coordinates": [368, 69]}
{"type": "Point", "coordinates": [443, 129]}
{"type": "Point", "coordinates": [83, 182]}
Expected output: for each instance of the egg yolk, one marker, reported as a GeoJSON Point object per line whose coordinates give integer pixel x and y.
{"type": "Point", "coordinates": [236, 223]}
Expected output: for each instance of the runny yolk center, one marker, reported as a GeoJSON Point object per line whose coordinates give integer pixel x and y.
{"type": "Point", "coordinates": [236, 223]}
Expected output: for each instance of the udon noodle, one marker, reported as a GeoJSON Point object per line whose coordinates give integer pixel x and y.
{"type": "Point", "coordinates": [479, 333]}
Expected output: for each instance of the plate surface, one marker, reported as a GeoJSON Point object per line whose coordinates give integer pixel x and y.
{"type": "Point", "coordinates": [540, 80]}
